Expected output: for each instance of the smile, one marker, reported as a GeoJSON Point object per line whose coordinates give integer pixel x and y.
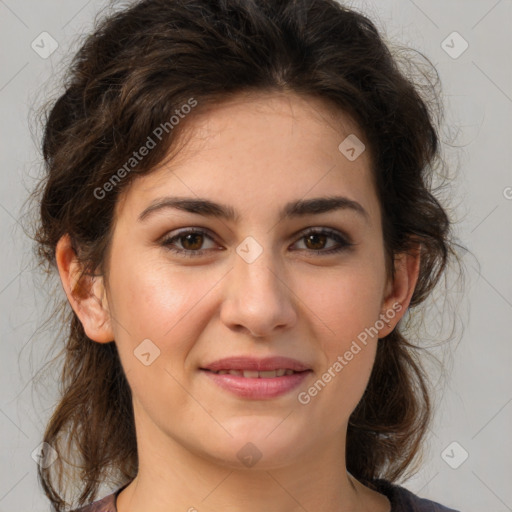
{"type": "Point", "coordinates": [257, 385]}
{"type": "Point", "coordinates": [252, 374]}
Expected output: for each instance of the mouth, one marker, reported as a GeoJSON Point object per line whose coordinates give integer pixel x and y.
{"type": "Point", "coordinates": [251, 367]}
{"type": "Point", "coordinates": [257, 379]}
{"type": "Point", "coordinates": [253, 374]}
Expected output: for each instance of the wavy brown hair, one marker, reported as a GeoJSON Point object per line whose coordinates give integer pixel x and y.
{"type": "Point", "coordinates": [131, 74]}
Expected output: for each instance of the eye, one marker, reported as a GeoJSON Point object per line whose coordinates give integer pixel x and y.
{"type": "Point", "coordinates": [190, 239]}
{"type": "Point", "coordinates": [315, 240]}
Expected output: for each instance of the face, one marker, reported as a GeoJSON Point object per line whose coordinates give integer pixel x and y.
{"type": "Point", "coordinates": [188, 288]}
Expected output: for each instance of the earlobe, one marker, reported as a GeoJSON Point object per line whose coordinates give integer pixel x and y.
{"type": "Point", "coordinates": [86, 294]}
{"type": "Point", "coordinates": [399, 292]}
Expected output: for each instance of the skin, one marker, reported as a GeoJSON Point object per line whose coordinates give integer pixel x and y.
{"type": "Point", "coordinates": [254, 153]}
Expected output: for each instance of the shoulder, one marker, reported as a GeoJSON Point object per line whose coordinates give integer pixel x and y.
{"type": "Point", "coordinates": [403, 500]}
{"type": "Point", "coordinates": [106, 504]}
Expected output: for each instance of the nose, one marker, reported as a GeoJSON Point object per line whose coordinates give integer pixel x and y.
{"type": "Point", "coordinates": [258, 299]}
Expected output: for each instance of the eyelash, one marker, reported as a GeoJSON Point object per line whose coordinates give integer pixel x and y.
{"type": "Point", "coordinates": [344, 243]}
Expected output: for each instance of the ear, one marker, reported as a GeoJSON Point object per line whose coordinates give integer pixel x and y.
{"type": "Point", "coordinates": [85, 293]}
{"type": "Point", "coordinates": [399, 291]}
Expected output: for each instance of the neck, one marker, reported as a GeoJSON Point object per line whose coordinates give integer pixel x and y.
{"type": "Point", "coordinates": [174, 478]}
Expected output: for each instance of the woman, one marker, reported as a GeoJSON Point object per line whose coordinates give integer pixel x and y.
{"type": "Point", "coordinates": [237, 202]}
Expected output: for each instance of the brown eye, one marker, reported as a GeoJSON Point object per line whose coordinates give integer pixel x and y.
{"type": "Point", "coordinates": [316, 241]}
{"type": "Point", "coordinates": [191, 242]}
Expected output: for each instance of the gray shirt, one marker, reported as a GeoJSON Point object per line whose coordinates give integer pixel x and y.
{"type": "Point", "coordinates": [401, 499]}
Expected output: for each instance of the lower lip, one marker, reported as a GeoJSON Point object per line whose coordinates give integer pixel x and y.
{"type": "Point", "coordinates": [256, 388]}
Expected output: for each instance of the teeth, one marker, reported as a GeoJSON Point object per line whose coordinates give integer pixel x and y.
{"type": "Point", "coordinates": [266, 375]}
{"type": "Point", "coordinates": [252, 374]}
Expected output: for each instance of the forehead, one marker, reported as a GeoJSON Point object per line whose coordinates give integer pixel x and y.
{"type": "Point", "coordinates": [256, 150]}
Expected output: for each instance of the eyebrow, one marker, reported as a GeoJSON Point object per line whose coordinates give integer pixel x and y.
{"type": "Point", "coordinates": [299, 208]}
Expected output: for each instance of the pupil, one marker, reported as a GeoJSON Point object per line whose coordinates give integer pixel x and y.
{"type": "Point", "coordinates": [312, 237]}
{"type": "Point", "coordinates": [189, 237]}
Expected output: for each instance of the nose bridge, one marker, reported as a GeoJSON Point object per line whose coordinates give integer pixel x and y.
{"type": "Point", "coordinates": [260, 276]}
{"type": "Point", "coordinates": [257, 298]}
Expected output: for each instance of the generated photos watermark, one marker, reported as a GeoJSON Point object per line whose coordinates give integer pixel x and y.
{"type": "Point", "coordinates": [145, 149]}
{"type": "Point", "coordinates": [304, 397]}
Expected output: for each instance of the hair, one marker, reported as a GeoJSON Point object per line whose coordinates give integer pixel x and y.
{"type": "Point", "coordinates": [141, 66]}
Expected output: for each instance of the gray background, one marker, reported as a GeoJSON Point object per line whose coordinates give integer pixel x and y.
{"type": "Point", "coordinates": [474, 398]}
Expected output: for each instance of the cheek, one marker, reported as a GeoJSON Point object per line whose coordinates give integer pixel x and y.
{"type": "Point", "coordinates": [346, 306]}
{"type": "Point", "coordinates": [154, 299]}
{"type": "Point", "coordinates": [160, 303]}
{"type": "Point", "coordinates": [157, 312]}
{"type": "Point", "coordinates": [345, 302]}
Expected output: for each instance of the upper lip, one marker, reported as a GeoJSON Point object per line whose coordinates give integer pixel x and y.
{"type": "Point", "coordinates": [252, 363]}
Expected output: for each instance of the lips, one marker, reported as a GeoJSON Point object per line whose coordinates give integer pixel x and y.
{"type": "Point", "coordinates": [257, 379]}
{"type": "Point", "coordinates": [257, 368]}
{"type": "Point", "coordinates": [253, 374]}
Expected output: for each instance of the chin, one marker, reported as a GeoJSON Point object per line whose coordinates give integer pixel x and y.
{"type": "Point", "coordinates": [260, 443]}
